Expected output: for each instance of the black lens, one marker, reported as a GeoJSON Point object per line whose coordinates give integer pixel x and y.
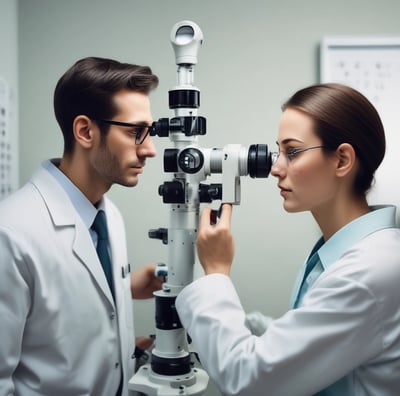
{"type": "Point", "coordinates": [259, 161]}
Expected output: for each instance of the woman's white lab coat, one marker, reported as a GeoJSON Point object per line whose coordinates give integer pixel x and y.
{"type": "Point", "coordinates": [346, 332]}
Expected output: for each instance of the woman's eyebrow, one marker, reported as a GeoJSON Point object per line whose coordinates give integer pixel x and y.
{"type": "Point", "coordinates": [289, 140]}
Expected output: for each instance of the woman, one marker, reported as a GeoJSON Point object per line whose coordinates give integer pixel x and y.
{"type": "Point", "coordinates": [342, 336]}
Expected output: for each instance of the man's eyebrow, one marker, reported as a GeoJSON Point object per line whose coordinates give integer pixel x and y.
{"type": "Point", "coordinates": [140, 123]}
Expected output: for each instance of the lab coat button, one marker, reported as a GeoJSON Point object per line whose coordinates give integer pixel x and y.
{"type": "Point", "coordinates": [116, 365]}
{"type": "Point", "coordinates": [112, 315]}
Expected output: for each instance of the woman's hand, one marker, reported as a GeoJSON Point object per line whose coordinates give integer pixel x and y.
{"type": "Point", "coordinates": [215, 244]}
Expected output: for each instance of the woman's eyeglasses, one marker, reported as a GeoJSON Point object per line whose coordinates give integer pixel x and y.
{"type": "Point", "coordinates": [291, 154]}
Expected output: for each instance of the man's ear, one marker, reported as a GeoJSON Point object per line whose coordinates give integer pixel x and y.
{"type": "Point", "coordinates": [83, 131]}
{"type": "Point", "coordinates": [346, 159]}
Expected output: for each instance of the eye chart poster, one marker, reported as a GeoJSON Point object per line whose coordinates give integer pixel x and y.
{"type": "Point", "coordinates": [7, 167]}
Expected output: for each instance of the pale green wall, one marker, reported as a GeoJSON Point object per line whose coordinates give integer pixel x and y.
{"type": "Point", "coordinates": [255, 54]}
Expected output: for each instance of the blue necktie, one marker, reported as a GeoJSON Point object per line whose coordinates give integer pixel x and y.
{"type": "Point", "coordinates": [311, 263]}
{"type": "Point", "coordinates": [100, 226]}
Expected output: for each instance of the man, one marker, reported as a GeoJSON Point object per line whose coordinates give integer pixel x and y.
{"type": "Point", "coordinates": [66, 324]}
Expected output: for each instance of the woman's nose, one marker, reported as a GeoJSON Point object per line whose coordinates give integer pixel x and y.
{"type": "Point", "coordinates": [278, 167]}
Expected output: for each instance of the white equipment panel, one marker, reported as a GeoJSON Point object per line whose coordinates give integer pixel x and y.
{"type": "Point", "coordinates": [372, 66]}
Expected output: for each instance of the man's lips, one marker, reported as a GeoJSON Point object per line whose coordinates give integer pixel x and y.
{"type": "Point", "coordinates": [138, 167]}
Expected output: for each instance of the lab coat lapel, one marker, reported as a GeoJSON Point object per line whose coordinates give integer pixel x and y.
{"type": "Point", "coordinates": [83, 247]}
{"type": "Point", "coordinates": [117, 247]}
{"type": "Point", "coordinates": [64, 214]}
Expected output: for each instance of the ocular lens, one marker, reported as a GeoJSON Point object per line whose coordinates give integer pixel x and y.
{"type": "Point", "coordinates": [259, 161]}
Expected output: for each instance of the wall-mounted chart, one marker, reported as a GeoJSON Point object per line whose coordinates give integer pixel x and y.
{"type": "Point", "coordinates": [7, 151]}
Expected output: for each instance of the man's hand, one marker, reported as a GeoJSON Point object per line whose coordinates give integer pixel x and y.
{"type": "Point", "coordinates": [215, 244]}
{"type": "Point", "coordinates": [144, 343]}
{"type": "Point", "coordinates": [144, 282]}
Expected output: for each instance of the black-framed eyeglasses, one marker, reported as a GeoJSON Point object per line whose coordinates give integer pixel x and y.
{"type": "Point", "coordinates": [139, 130]}
{"type": "Point", "coordinates": [291, 154]}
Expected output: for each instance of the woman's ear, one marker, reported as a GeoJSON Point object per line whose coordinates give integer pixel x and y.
{"type": "Point", "coordinates": [83, 133]}
{"type": "Point", "coordinates": [346, 159]}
